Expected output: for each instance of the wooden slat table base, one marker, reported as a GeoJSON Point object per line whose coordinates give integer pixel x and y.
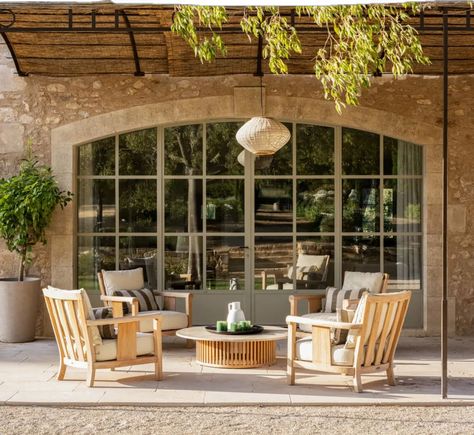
{"type": "Point", "coordinates": [246, 354]}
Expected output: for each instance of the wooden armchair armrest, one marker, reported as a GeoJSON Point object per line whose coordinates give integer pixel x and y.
{"type": "Point", "coordinates": [122, 299]}
{"type": "Point", "coordinates": [322, 323]}
{"type": "Point", "coordinates": [345, 315]}
{"type": "Point", "coordinates": [116, 302]}
{"type": "Point", "coordinates": [314, 303]}
{"type": "Point", "coordinates": [127, 319]}
{"type": "Point", "coordinates": [170, 302]}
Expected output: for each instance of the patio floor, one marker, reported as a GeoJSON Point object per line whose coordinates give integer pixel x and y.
{"type": "Point", "coordinates": [27, 376]}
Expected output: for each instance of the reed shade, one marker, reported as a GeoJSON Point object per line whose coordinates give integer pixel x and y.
{"type": "Point", "coordinates": [263, 136]}
{"type": "Point", "coordinates": [261, 162]}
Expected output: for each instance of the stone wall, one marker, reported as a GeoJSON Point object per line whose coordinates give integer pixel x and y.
{"type": "Point", "coordinates": [35, 108]}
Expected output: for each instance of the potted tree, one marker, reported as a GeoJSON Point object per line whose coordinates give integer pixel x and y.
{"type": "Point", "coordinates": [27, 203]}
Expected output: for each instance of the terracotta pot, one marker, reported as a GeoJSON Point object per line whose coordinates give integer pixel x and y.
{"type": "Point", "coordinates": [19, 303]}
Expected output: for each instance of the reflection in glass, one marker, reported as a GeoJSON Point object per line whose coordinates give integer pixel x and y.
{"type": "Point", "coordinates": [315, 262]}
{"type": "Point", "coordinates": [402, 261]}
{"type": "Point", "coordinates": [223, 149]}
{"type": "Point", "coordinates": [183, 150]}
{"type": "Point", "coordinates": [273, 205]}
{"type": "Point", "coordinates": [137, 153]}
{"type": "Point", "coordinates": [183, 262]}
{"type": "Point", "coordinates": [97, 158]}
{"type": "Point", "coordinates": [360, 205]}
{"type": "Point", "coordinates": [314, 150]}
{"type": "Point", "coordinates": [360, 152]}
{"type": "Point", "coordinates": [402, 158]}
{"type": "Point", "coordinates": [225, 205]}
{"type": "Point", "coordinates": [360, 254]}
{"type": "Point", "coordinates": [282, 161]}
{"type": "Point", "coordinates": [402, 205]}
{"type": "Point", "coordinates": [93, 255]}
{"type": "Point", "coordinates": [96, 206]}
{"type": "Point", "coordinates": [137, 203]}
{"type": "Point", "coordinates": [139, 252]}
{"type": "Point", "coordinates": [225, 268]}
{"type": "Point", "coordinates": [183, 205]}
{"type": "Point", "coordinates": [273, 258]}
{"type": "Point", "coordinates": [315, 206]}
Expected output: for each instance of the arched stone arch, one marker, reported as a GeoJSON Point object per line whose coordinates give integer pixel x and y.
{"type": "Point", "coordinates": [244, 103]}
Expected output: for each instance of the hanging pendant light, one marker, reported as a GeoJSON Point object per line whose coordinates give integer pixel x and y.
{"type": "Point", "coordinates": [263, 136]}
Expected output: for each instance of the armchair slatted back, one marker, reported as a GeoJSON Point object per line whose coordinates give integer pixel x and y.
{"type": "Point", "coordinates": [383, 318]}
{"type": "Point", "coordinates": [67, 311]}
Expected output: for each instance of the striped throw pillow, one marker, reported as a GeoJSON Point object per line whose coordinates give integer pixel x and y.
{"type": "Point", "coordinates": [146, 300]}
{"type": "Point", "coordinates": [105, 331]}
{"type": "Point", "coordinates": [335, 297]}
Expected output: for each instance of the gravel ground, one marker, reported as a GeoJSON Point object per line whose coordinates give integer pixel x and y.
{"type": "Point", "coordinates": [237, 420]}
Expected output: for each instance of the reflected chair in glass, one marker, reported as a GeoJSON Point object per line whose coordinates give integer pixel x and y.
{"type": "Point", "coordinates": [374, 282]}
{"type": "Point", "coordinates": [369, 347]}
{"type": "Point", "coordinates": [81, 346]}
{"type": "Point", "coordinates": [172, 320]}
{"type": "Point", "coordinates": [311, 272]}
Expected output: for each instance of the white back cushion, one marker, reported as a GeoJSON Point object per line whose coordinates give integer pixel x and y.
{"type": "Point", "coordinates": [372, 281]}
{"type": "Point", "coordinates": [123, 280]}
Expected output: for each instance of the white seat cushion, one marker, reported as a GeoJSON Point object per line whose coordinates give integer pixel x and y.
{"type": "Point", "coordinates": [339, 354]}
{"type": "Point", "coordinates": [123, 280]}
{"type": "Point", "coordinates": [331, 317]}
{"type": "Point", "coordinates": [170, 320]}
{"type": "Point", "coordinates": [372, 281]}
{"type": "Point", "coordinates": [107, 351]}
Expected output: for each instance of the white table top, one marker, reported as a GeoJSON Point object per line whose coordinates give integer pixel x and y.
{"type": "Point", "coordinates": [198, 333]}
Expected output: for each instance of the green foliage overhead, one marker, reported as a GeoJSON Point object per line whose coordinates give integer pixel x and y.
{"type": "Point", "coordinates": [361, 40]}
{"type": "Point", "coordinates": [27, 203]}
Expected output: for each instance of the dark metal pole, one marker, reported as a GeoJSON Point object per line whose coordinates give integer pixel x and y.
{"type": "Point", "coordinates": [444, 302]}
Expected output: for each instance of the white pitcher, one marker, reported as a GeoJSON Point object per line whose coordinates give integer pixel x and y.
{"type": "Point", "coordinates": [235, 313]}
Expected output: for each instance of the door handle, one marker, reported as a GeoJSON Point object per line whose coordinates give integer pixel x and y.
{"type": "Point", "coordinates": [243, 247]}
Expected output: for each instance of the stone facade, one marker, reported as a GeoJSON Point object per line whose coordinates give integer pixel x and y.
{"type": "Point", "coordinates": [57, 113]}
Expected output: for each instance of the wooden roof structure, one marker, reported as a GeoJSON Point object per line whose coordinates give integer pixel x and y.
{"type": "Point", "coordinates": [79, 39]}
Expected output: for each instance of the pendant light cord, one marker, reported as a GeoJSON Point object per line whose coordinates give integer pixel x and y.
{"type": "Point", "coordinates": [261, 93]}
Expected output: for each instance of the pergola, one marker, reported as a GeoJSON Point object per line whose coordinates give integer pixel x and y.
{"type": "Point", "coordinates": [73, 40]}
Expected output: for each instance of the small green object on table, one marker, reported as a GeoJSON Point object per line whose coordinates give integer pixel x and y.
{"type": "Point", "coordinates": [221, 326]}
{"type": "Point", "coordinates": [245, 325]}
{"type": "Point", "coordinates": [233, 327]}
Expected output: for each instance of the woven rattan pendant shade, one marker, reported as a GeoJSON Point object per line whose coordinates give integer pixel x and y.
{"type": "Point", "coordinates": [263, 136]}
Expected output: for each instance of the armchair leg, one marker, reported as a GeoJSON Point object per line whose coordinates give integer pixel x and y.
{"type": "Point", "coordinates": [391, 376]}
{"type": "Point", "coordinates": [357, 382]}
{"type": "Point", "coordinates": [158, 369]}
{"type": "Point", "coordinates": [61, 371]}
{"type": "Point", "coordinates": [90, 376]}
{"type": "Point", "coordinates": [291, 352]}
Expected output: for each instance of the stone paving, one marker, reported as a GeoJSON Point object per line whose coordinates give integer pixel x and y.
{"type": "Point", "coordinates": [27, 376]}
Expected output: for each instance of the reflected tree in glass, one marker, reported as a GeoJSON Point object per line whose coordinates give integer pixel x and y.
{"type": "Point", "coordinates": [360, 206]}
{"type": "Point", "coordinates": [96, 206]}
{"type": "Point", "coordinates": [222, 149]}
{"type": "Point", "coordinates": [402, 158]}
{"type": "Point", "coordinates": [177, 216]}
{"type": "Point", "coordinates": [360, 152]}
{"type": "Point", "coordinates": [314, 150]}
{"type": "Point", "coordinates": [315, 206]}
{"type": "Point", "coordinates": [137, 153]}
{"type": "Point", "coordinates": [225, 205]}
{"type": "Point", "coordinates": [137, 200]}
{"type": "Point", "coordinates": [97, 158]}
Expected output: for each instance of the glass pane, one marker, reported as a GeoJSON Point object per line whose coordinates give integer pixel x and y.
{"type": "Point", "coordinates": [97, 158]}
{"type": "Point", "coordinates": [223, 149]}
{"type": "Point", "coordinates": [225, 268]}
{"type": "Point", "coordinates": [315, 206]}
{"type": "Point", "coordinates": [314, 150]}
{"type": "Point", "coordinates": [402, 205]}
{"type": "Point", "coordinates": [281, 163]}
{"type": "Point", "coordinates": [225, 206]}
{"type": "Point", "coordinates": [93, 255]}
{"type": "Point", "coordinates": [360, 205]}
{"type": "Point", "coordinates": [137, 153]}
{"type": "Point", "coordinates": [137, 205]}
{"type": "Point", "coordinates": [402, 261]}
{"type": "Point", "coordinates": [360, 152]}
{"type": "Point", "coordinates": [183, 150]}
{"type": "Point", "coordinates": [402, 158]}
{"type": "Point", "coordinates": [183, 262]}
{"type": "Point", "coordinates": [183, 206]}
{"type": "Point", "coordinates": [273, 206]}
{"type": "Point", "coordinates": [140, 252]}
{"type": "Point", "coordinates": [361, 254]}
{"type": "Point", "coordinates": [314, 262]}
{"type": "Point", "coordinates": [273, 257]}
{"type": "Point", "coordinates": [96, 206]}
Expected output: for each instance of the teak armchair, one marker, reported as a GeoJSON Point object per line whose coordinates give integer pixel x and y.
{"type": "Point", "coordinates": [81, 346]}
{"type": "Point", "coordinates": [370, 345]}
{"type": "Point", "coordinates": [172, 320]}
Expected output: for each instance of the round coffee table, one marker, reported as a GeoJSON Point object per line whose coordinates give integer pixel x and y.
{"type": "Point", "coordinates": [234, 351]}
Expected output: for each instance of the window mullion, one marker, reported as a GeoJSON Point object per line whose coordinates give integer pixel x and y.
{"type": "Point", "coordinates": [338, 207]}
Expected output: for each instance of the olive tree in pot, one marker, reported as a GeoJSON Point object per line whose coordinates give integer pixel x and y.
{"type": "Point", "coordinates": [27, 203]}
